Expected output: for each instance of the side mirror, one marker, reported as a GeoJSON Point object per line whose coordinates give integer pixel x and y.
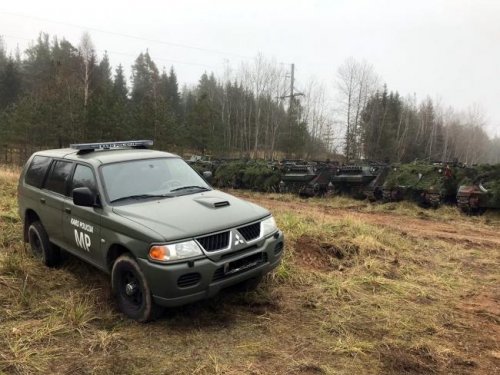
{"type": "Point", "coordinates": [84, 197]}
{"type": "Point", "coordinates": [207, 175]}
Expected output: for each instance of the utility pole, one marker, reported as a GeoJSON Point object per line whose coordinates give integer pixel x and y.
{"type": "Point", "coordinates": [292, 81]}
{"type": "Point", "coordinates": [291, 112]}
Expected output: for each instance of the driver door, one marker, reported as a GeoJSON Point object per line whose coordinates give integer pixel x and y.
{"type": "Point", "coordinates": [82, 225]}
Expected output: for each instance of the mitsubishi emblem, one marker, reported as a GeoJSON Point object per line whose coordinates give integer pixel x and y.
{"type": "Point", "coordinates": [238, 240]}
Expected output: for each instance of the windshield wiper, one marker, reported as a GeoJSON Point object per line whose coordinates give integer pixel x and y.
{"type": "Point", "coordinates": [191, 187]}
{"type": "Point", "coordinates": [142, 196]}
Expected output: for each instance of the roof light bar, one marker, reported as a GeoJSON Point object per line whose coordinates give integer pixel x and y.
{"type": "Point", "coordinates": [88, 147]}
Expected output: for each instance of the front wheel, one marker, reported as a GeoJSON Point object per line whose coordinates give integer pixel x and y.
{"type": "Point", "coordinates": [131, 290]}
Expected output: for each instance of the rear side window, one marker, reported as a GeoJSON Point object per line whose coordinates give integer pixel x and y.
{"type": "Point", "coordinates": [84, 177]}
{"type": "Point", "coordinates": [58, 176]}
{"type": "Point", "coordinates": [37, 170]}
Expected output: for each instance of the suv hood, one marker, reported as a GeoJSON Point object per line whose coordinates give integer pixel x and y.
{"type": "Point", "coordinates": [191, 215]}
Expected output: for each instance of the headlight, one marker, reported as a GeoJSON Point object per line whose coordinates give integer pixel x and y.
{"type": "Point", "coordinates": [175, 251]}
{"type": "Point", "coordinates": [268, 226]}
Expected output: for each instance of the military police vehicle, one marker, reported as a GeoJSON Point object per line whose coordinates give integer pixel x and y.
{"type": "Point", "coordinates": [146, 217]}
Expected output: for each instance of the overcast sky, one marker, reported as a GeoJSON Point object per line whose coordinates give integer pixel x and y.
{"type": "Point", "coordinates": [447, 49]}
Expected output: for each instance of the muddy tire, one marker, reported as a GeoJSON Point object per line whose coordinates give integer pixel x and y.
{"type": "Point", "coordinates": [131, 290]}
{"type": "Point", "coordinates": [41, 247]}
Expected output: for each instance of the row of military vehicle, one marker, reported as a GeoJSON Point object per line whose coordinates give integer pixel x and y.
{"type": "Point", "coordinates": [473, 189]}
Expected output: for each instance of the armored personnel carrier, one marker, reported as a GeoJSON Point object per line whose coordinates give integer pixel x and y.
{"type": "Point", "coordinates": [354, 180]}
{"type": "Point", "coordinates": [306, 179]}
{"type": "Point", "coordinates": [373, 191]}
{"type": "Point", "coordinates": [250, 174]}
{"type": "Point", "coordinates": [204, 165]}
{"type": "Point", "coordinates": [440, 184]}
{"type": "Point", "coordinates": [407, 182]}
{"type": "Point", "coordinates": [481, 193]}
{"type": "Point", "coordinates": [428, 184]}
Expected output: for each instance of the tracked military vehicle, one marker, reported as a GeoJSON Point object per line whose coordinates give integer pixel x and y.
{"type": "Point", "coordinates": [406, 182]}
{"type": "Point", "coordinates": [427, 184]}
{"type": "Point", "coordinates": [373, 191]}
{"type": "Point", "coordinates": [306, 179]}
{"type": "Point", "coordinates": [354, 180]}
{"type": "Point", "coordinates": [248, 174]}
{"type": "Point", "coordinates": [440, 185]}
{"type": "Point", "coordinates": [481, 193]}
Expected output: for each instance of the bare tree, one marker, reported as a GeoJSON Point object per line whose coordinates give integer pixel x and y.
{"type": "Point", "coordinates": [475, 121]}
{"type": "Point", "coordinates": [356, 81]}
{"type": "Point", "coordinates": [265, 80]}
{"type": "Point", "coordinates": [317, 114]}
{"type": "Point", "coordinates": [87, 53]}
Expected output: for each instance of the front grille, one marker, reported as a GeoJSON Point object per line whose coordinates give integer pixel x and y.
{"type": "Point", "coordinates": [215, 242]}
{"type": "Point", "coordinates": [250, 232]}
{"type": "Point", "coordinates": [188, 279]}
{"type": "Point", "coordinates": [240, 266]}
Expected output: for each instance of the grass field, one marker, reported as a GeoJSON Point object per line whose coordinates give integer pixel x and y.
{"type": "Point", "coordinates": [363, 289]}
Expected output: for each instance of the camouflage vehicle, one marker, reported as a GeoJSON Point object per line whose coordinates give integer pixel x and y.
{"type": "Point", "coordinates": [307, 179]}
{"type": "Point", "coordinates": [408, 182]}
{"type": "Point", "coordinates": [165, 236]}
{"type": "Point", "coordinates": [204, 165]}
{"type": "Point", "coordinates": [373, 191]}
{"type": "Point", "coordinates": [427, 184]}
{"type": "Point", "coordinates": [353, 180]}
{"type": "Point", "coordinates": [482, 192]}
{"type": "Point", "coordinates": [441, 183]}
{"type": "Point", "coordinates": [251, 174]}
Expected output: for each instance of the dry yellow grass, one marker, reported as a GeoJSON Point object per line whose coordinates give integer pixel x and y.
{"type": "Point", "coordinates": [362, 289]}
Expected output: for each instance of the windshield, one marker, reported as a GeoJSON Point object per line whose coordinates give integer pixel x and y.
{"type": "Point", "coordinates": [140, 179]}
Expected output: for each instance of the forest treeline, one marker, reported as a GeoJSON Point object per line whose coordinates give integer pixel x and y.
{"type": "Point", "coordinates": [381, 125]}
{"type": "Point", "coordinates": [54, 93]}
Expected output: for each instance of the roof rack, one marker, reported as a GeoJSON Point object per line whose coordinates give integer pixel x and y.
{"type": "Point", "coordinates": [84, 148]}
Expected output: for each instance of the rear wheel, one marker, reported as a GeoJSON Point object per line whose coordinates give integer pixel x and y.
{"type": "Point", "coordinates": [131, 290]}
{"type": "Point", "coordinates": [41, 247]}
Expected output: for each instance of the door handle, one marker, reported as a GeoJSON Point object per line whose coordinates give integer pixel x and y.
{"type": "Point", "coordinates": [42, 200]}
{"type": "Point", "coordinates": [67, 210]}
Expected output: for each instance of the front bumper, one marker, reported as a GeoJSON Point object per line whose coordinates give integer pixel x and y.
{"type": "Point", "coordinates": [182, 283]}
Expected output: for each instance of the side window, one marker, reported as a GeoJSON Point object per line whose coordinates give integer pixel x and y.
{"type": "Point", "coordinates": [84, 177]}
{"type": "Point", "coordinates": [37, 170]}
{"type": "Point", "coordinates": [58, 177]}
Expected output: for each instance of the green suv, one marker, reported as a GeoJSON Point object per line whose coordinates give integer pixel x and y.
{"type": "Point", "coordinates": [146, 217]}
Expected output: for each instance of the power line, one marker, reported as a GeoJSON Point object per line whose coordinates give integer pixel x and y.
{"type": "Point", "coordinates": [173, 44]}
{"type": "Point", "coordinates": [128, 54]}
{"type": "Point", "coordinates": [161, 59]}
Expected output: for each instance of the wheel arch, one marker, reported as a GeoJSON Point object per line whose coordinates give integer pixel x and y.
{"type": "Point", "coordinates": [114, 252]}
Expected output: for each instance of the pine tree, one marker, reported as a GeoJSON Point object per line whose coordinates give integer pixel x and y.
{"type": "Point", "coordinates": [119, 109]}
{"type": "Point", "coordinates": [120, 90]}
{"type": "Point", "coordinates": [10, 83]}
{"type": "Point", "coordinates": [147, 102]}
{"type": "Point", "coordinates": [173, 96]}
